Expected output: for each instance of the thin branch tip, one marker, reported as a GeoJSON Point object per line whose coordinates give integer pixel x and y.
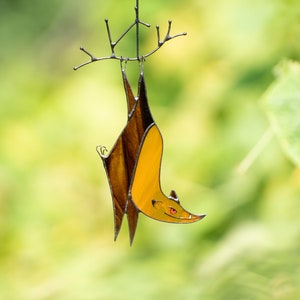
{"type": "Point", "coordinates": [138, 57]}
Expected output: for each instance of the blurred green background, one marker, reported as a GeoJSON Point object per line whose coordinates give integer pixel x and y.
{"type": "Point", "coordinates": [56, 223]}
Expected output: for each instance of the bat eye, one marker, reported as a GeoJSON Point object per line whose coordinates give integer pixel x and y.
{"type": "Point", "coordinates": [173, 211]}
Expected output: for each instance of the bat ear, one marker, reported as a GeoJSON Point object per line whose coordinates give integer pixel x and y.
{"type": "Point", "coordinates": [174, 196]}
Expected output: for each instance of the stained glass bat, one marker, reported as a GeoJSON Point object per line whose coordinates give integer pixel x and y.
{"type": "Point", "coordinates": [133, 168]}
{"type": "Point", "coordinates": [133, 164]}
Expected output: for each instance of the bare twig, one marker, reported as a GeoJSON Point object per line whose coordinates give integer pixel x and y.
{"type": "Point", "coordinates": [138, 57]}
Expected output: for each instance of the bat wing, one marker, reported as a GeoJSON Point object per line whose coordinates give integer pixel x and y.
{"type": "Point", "coordinates": [119, 163]}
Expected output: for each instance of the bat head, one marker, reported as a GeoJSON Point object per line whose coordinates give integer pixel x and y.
{"type": "Point", "coordinates": [170, 210]}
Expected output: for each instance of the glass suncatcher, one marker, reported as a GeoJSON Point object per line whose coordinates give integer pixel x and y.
{"type": "Point", "coordinates": [133, 164]}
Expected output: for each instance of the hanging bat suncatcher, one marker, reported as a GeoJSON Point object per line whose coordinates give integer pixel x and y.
{"type": "Point", "coordinates": [133, 168]}
{"type": "Point", "coordinates": [133, 164]}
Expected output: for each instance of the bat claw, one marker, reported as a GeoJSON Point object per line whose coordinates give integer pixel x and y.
{"type": "Point", "coordinates": [101, 151]}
